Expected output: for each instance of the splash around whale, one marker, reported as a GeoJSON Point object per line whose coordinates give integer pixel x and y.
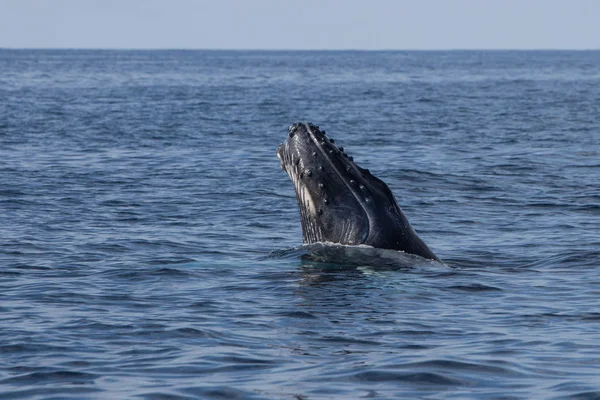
{"type": "Point", "coordinates": [339, 201]}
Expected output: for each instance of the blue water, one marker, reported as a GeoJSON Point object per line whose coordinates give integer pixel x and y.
{"type": "Point", "coordinates": [150, 244]}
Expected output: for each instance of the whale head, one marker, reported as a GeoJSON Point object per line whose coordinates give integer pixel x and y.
{"type": "Point", "coordinates": [339, 201]}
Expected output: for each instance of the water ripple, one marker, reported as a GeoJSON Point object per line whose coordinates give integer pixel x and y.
{"type": "Point", "coordinates": [150, 245]}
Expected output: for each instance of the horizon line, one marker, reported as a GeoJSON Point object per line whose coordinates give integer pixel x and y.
{"type": "Point", "coordinates": [540, 49]}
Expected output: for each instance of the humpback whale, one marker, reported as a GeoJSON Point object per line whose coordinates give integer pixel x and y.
{"type": "Point", "coordinates": [339, 201]}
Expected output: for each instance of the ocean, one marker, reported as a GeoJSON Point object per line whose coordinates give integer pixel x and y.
{"type": "Point", "coordinates": [151, 247]}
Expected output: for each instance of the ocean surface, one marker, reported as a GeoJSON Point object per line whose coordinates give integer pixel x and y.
{"type": "Point", "coordinates": [151, 248]}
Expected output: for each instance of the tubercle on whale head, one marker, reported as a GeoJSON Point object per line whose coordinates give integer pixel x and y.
{"type": "Point", "coordinates": [299, 137]}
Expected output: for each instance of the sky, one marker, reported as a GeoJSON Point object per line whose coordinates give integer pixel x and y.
{"type": "Point", "coordinates": [301, 24]}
